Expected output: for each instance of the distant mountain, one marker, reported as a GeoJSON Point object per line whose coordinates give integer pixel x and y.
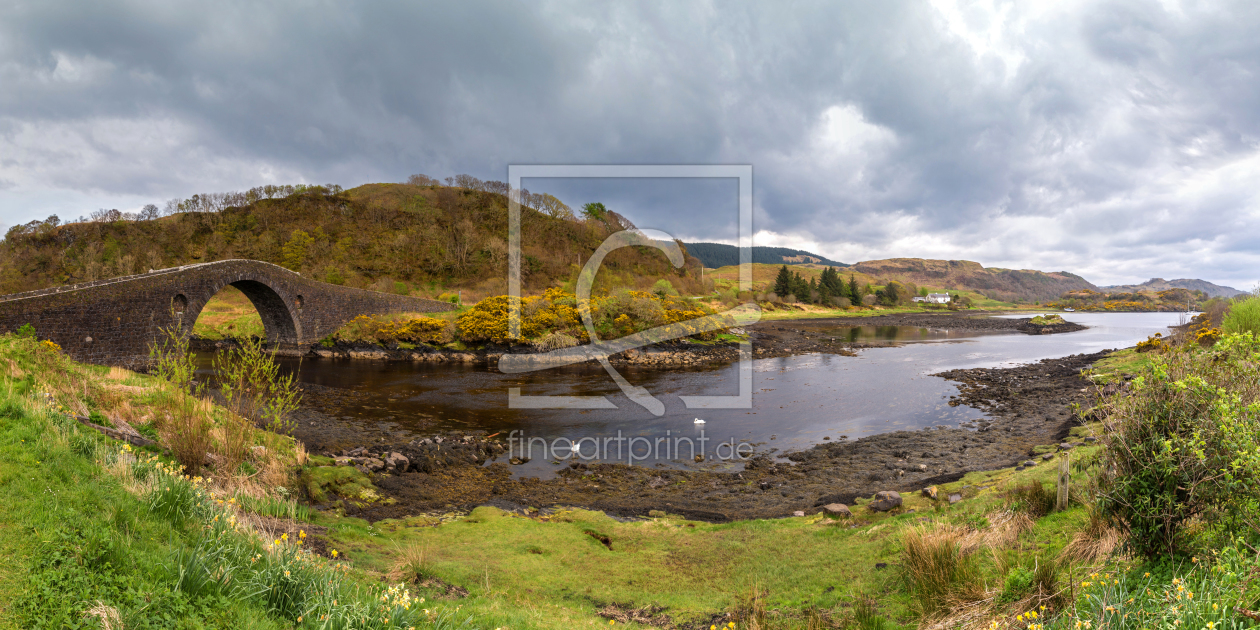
{"type": "Point", "coordinates": [1160, 284]}
{"type": "Point", "coordinates": [997, 283]}
{"type": "Point", "coordinates": [715, 255]}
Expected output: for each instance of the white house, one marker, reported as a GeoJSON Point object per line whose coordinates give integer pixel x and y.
{"type": "Point", "coordinates": [938, 298]}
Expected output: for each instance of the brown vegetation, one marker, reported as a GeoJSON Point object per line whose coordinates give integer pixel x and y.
{"type": "Point", "coordinates": [420, 239]}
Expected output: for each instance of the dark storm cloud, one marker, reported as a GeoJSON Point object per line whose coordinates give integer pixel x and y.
{"type": "Point", "coordinates": [1115, 139]}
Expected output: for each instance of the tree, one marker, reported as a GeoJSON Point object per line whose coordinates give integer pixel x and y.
{"type": "Point", "coordinates": [783, 282]}
{"type": "Point", "coordinates": [890, 295]}
{"type": "Point", "coordinates": [295, 251]}
{"type": "Point", "coordinates": [421, 179]}
{"type": "Point", "coordinates": [594, 210]}
{"type": "Point", "coordinates": [552, 207]}
{"type": "Point", "coordinates": [855, 296]}
{"type": "Point", "coordinates": [800, 288]}
{"type": "Point", "coordinates": [148, 212]}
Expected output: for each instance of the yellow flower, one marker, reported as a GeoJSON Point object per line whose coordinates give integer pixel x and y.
{"type": "Point", "coordinates": [302, 534]}
{"type": "Point", "coordinates": [1148, 574]}
{"type": "Point", "coordinates": [284, 537]}
{"type": "Point", "coordinates": [334, 553]}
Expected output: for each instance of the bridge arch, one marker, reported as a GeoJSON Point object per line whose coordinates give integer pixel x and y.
{"type": "Point", "coordinates": [114, 321]}
{"type": "Point", "coordinates": [280, 316]}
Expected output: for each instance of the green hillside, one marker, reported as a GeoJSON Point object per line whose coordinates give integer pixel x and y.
{"type": "Point", "coordinates": [419, 239]}
{"type": "Point", "coordinates": [715, 255]}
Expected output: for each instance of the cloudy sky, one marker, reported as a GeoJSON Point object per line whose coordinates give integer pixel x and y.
{"type": "Point", "coordinates": [1114, 139]}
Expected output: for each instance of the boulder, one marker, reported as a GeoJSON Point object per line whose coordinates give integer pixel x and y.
{"type": "Point", "coordinates": [1047, 457]}
{"type": "Point", "coordinates": [1065, 447]}
{"type": "Point", "coordinates": [929, 492]}
{"type": "Point", "coordinates": [798, 513]}
{"type": "Point", "coordinates": [342, 461]}
{"type": "Point", "coordinates": [955, 498]}
{"type": "Point", "coordinates": [368, 464]}
{"type": "Point", "coordinates": [397, 463]}
{"type": "Point", "coordinates": [885, 500]}
{"type": "Point", "coordinates": [1029, 462]}
{"type": "Point", "coordinates": [836, 510]}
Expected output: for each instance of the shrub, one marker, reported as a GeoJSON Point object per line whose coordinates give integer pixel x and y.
{"type": "Point", "coordinates": [1184, 445]}
{"type": "Point", "coordinates": [938, 572]}
{"type": "Point", "coordinates": [1033, 499]}
{"type": "Point", "coordinates": [1243, 317]}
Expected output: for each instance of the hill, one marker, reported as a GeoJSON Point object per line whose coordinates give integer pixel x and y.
{"type": "Point", "coordinates": [996, 283]}
{"type": "Point", "coordinates": [1168, 300]}
{"type": "Point", "coordinates": [715, 255]}
{"type": "Point", "coordinates": [419, 239]}
{"type": "Point", "coordinates": [1160, 284]}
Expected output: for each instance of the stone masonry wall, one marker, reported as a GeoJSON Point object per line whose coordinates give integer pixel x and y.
{"type": "Point", "coordinates": [113, 322]}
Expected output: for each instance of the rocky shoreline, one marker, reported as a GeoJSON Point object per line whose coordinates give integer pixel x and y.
{"type": "Point", "coordinates": [769, 339]}
{"type": "Point", "coordinates": [1029, 406]}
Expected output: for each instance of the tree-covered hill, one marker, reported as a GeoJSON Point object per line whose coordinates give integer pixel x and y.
{"type": "Point", "coordinates": [715, 255]}
{"type": "Point", "coordinates": [419, 237]}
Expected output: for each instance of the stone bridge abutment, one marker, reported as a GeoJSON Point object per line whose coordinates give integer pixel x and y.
{"type": "Point", "coordinates": [114, 322]}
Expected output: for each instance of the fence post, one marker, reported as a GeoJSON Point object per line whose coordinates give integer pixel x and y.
{"type": "Point", "coordinates": [1061, 501]}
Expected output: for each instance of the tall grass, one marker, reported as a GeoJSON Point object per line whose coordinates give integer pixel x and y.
{"type": "Point", "coordinates": [936, 569]}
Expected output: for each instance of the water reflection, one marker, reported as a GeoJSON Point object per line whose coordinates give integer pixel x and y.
{"type": "Point", "coordinates": [797, 401]}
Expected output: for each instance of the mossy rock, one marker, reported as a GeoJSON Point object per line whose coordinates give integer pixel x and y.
{"type": "Point", "coordinates": [323, 483]}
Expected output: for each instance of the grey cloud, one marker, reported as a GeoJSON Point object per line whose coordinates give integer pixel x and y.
{"type": "Point", "coordinates": [1104, 116]}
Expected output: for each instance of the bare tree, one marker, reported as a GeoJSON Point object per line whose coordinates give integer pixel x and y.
{"type": "Point", "coordinates": [421, 179]}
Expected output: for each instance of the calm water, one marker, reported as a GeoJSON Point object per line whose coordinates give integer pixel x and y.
{"type": "Point", "coordinates": [796, 402]}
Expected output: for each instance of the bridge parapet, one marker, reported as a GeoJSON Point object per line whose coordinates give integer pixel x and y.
{"type": "Point", "coordinates": [113, 322]}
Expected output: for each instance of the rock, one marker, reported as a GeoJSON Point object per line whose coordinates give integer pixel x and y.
{"type": "Point", "coordinates": [397, 463]}
{"type": "Point", "coordinates": [885, 500]}
{"type": "Point", "coordinates": [1029, 463]}
{"type": "Point", "coordinates": [798, 513]}
{"type": "Point", "coordinates": [1019, 468]}
{"type": "Point", "coordinates": [368, 464]}
{"type": "Point", "coordinates": [657, 482]}
{"type": "Point", "coordinates": [1091, 439]}
{"type": "Point", "coordinates": [356, 452]}
{"type": "Point", "coordinates": [342, 461]}
{"type": "Point", "coordinates": [922, 467]}
{"type": "Point", "coordinates": [1065, 447]}
{"type": "Point", "coordinates": [929, 492]}
{"type": "Point", "coordinates": [837, 510]}
{"type": "Point", "coordinates": [955, 498]}
{"type": "Point", "coordinates": [1047, 457]}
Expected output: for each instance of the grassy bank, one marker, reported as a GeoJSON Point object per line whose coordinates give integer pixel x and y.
{"type": "Point", "coordinates": [99, 532]}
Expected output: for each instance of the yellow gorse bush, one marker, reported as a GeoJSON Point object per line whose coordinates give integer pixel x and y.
{"type": "Point", "coordinates": [386, 330]}
{"type": "Point", "coordinates": [556, 311]}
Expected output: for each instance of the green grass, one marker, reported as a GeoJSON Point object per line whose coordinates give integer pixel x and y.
{"type": "Point", "coordinates": [1115, 365]}
{"type": "Point", "coordinates": [88, 524]}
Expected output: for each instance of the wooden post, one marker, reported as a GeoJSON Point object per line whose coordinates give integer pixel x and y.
{"type": "Point", "coordinates": [1064, 476]}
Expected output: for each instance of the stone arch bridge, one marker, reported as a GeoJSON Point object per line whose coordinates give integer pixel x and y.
{"type": "Point", "coordinates": [113, 322]}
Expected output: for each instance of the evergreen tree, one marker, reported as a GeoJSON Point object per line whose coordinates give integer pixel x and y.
{"type": "Point", "coordinates": [799, 287]}
{"type": "Point", "coordinates": [783, 282]}
{"type": "Point", "coordinates": [831, 281]}
{"type": "Point", "coordinates": [854, 294]}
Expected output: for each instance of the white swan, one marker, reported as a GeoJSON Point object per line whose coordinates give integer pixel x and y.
{"type": "Point", "coordinates": [699, 421]}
